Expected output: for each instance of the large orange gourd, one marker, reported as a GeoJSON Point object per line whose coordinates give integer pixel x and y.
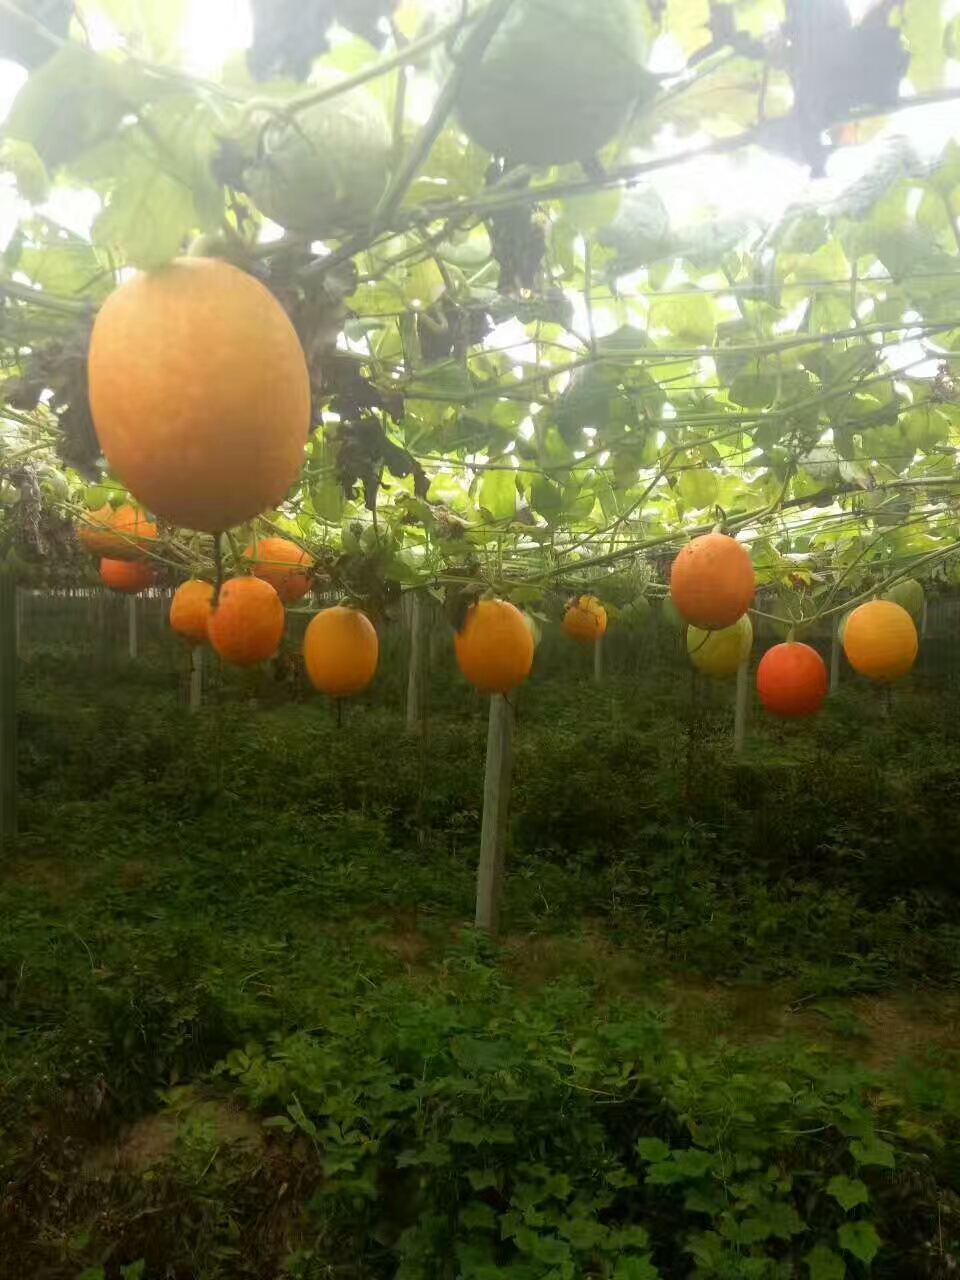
{"type": "Point", "coordinates": [712, 582]}
{"type": "Point", "coordinates": [284, 565]}
{"type": "Point", "coordinates": [340, 651]}
{"type": "Point", "coordinates": [585, 620]}
{"type": "Point", "coordinates": [200, 393]}
{"type": "Point", "coordinates": [792, 680]}
{"type": "Point", "coordinates": [128, 576]}
{"type": "Point", "coordinates": [246, 625]}
{"type": "Point", "coordinates": [190, 610]}
{"type": "Point", "coordinates": [880, 641]}
{"type": "Point", "coordinates": [495, 646]}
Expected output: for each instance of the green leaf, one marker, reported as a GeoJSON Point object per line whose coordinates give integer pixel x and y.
{"type": "Point", "coordinates": [479, 1215]}
{"type": "Point", "coordinates": [153, 27]}
{"type": "Point", "coordinates": [74, 101]}
{"type": "Point", "coordinates": [698, 487]}
{"type": "Point", "coordinates": [653, 1150]}
{"type": "Point", "coordinates": [924, 31]}
{"type": "Point", "coordinates": [149, 216]}
{"type": "Point", "coordinates": [546, 498]}
{"type": "Point", "coordinates": [873, 1152]}
{"type": "Point", "coordinates": [22, 160]}
{"type": "Point", "coordinates": [860, 1239]}
{"type": "Point", "coordinates": [498, 492]}
{"type": "Point", "coordinates": [636, 1269]}
{"type": "Point", "coordinates": [824, 1264]}
{"type": "Point", "coordinates": [688, 320]}
{"type": "Point", "coordinates": [848, 1192]}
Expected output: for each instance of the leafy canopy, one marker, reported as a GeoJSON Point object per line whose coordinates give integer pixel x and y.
{"type": "Point", "coordinates": [530, 378]}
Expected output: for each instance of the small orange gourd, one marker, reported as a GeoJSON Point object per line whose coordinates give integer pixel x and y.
{"type": "Point", "coordinates": [246, 625]}
{"type": "Point", "coordinates": [127, 576]}
{"type": "Point", "coordinates": [340, 651]}
{"type": "Point", "coordinates": [494, 647]}
{"type": "Point", "coordinates": [284, 565]}
{"type": "Point", "coordinates": [190, 610]}
{"type": "Point", "coordinates": [712, 582]}
{"type": "Point", "coordinates": [585, 620]}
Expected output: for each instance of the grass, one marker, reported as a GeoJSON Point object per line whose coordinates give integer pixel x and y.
{"type": "Point", "coordinates": [256, 915]}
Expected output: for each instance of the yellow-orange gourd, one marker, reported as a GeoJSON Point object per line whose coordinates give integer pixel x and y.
{"type": "Point", "coordinates": [340, 651]}
{"type": "Point", "coordinates": [585, 620]}
{"type": "Point", "coordinates": [712, 582]}
{"type": "Point", "coordinates": [190, 610]}
{"type": "Point", "coordinates": [284, 565]}
{"type": "Point", "coordinates": [200, 393]}
{"type": "Point", "coordinates": [880, 641]}
{"type": "Point", "coordinates": [495, 646]}
{"type": "Point", "coordinates": [127, 576]}
{"type": "Point", "coordinates": [246, 625]}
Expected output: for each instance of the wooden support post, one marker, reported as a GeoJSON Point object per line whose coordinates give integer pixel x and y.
{"type": "Point", "coordinates": [415, 667]}
{"type": "Point", "coordinates": [196, 677]}
{"type": "Point", "coordinates": [133, 633]}
{"type": "Point", "coordinates": [598, 660]}
{"type": "Point", "coordinates": [742, 712]}
{"type": "Point", "coordinates": [496, 807]}
{"type": "Point", "coordinates": [8, 711]}
{"type": "Point", "coordinates": [835, 651]}
{"type": "Point", "coordinates": [923, 621]}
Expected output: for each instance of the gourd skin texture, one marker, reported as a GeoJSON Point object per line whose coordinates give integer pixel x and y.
{"type": "Point", "coordinates": [712, 582]}
{"type": "Point", "coordinates": [792, 680]}
{"type": "Point", "coordinates": [880, 641]}
{"type": "Point", "coordinates": [246, 626]}
{"type": "Point", "coordinates": [341, 651]}
{"type": "Point", "coordinates": [190, 610]}
{"type": "Point", "coordinates": [585, 620]}
{"type": "Point", "coordinates": [495, 646]}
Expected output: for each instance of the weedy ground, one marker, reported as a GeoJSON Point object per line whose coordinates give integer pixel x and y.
{"type": "Point", "coordinates": [246, 1028]}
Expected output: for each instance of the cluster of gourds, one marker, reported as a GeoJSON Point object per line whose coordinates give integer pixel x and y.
{"type": "Point", "coordinates": [712, 586]}
{"type": "Point", "coordinates": [207, 337]}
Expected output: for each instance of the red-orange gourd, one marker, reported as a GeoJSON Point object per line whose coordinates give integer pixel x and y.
{"type": "Point", "coordinates": [585, 620]}
{"type": "Point", "coordinates": [792, 680]}
{"type": "Point", "coordinates": [712, 582]}
{"type": "Point", "coordinates": [200, 393]}
{"type": "Point", "coordinates": [495, 646]}
{"type": "Point", "coordinates": [340, 651]}
{"type": "Point", "coordinates": [128, 576]}
{"type": "Point", "coordinates": [246, 625]}
{"type": "Point", "coordinates": [190, 610]}
{"type": "Point", "coordinates": [284, 565]}
{"type": "Point", "coordinates": [880, 641]}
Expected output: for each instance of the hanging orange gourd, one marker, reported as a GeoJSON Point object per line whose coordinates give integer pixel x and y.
{"type": "Point", "coordinates": [585, 620]}
{"type": "Point", "coordinates": [712, 582]}
{"type": "Point", "coordinates": [880, 641]}
{"type": "Point", "coordinates": [340, 651]}
{"type": "Point", "coordinates": [246, 624]}
{"type": "Point", "coordinates": [494, 647]}
{"type": "Point", "coordinates": [190, 610]}
{"type": "Point", "coordinates": [284, 565]}
{"type": "Point", "coordinates": [126, 576]}
{"type": "Point", "coordinates": [792, 680]}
